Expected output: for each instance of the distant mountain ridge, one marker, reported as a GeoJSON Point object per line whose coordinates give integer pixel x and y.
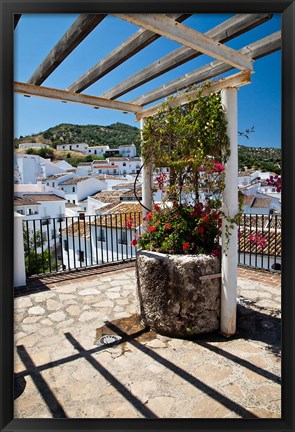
{"type": "Point", "coordinates": [116, 134]}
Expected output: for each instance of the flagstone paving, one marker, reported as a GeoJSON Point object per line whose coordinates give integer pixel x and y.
{"type": "Point", "coordinates": [61, 371]}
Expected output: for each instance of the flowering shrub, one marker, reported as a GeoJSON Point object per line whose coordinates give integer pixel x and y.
{"type": "Point", "coordinates": [275, 181]}
{"type": "Point", "coordinates": [190, 141]}
{"type": "Point", "coordinates": [183, 229]}
{"type": "Point", "coordinates": [257, 239]}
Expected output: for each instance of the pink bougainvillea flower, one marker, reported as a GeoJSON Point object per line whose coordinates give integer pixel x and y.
{"type": "Point", "coordinates": [167, 226]}
{"type": "Point", "coordinates": [185, 246]}
{"type": "Point", "coordinates": [193, 214]}
{"type": "Point", "coordinates": [152, 228]}
{"type": "Point", "coordinates": [206, 218]}
{"type": "Point", "coordinates": [219, 167]}
{"type": "Point", "coordinates": [134, 242]}
{"type": "Point", "coordinates": [156, 207]}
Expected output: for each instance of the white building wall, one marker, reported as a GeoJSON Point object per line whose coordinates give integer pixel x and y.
{"type": "Point", "coordinates": [97, 150]}
{"type": "Point", "coordinates": [73, 147]}
{"type": "Point", "coordinates": [89, 187]}
{"type": "Point", "coordinates": [32, 145]}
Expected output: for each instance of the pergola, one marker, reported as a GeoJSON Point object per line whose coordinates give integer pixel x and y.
{"type": "Point", "coordinates": [193, 44]}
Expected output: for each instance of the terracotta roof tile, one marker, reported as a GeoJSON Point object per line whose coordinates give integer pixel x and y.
{"type": "Point", "coordinates": [43, 197]}
{"type": "Point", "coordinates": [20, 201]}
{"type": "Point", "coordinates": [74, 180]}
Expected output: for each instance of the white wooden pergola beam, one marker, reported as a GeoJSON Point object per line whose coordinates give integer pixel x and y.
{"type": "Point", "coordinates": [236, 80]}
{"type": "Point", "coordinates": [227, 30]}
{"type": "Point", "coordinates": [66, 96]}
{"type": "Point", "coordinates": [135, 43]}
{"type": "Point", "coordinates": [78, 31]}
{"type": "Point", "coordinates": [188, 37]}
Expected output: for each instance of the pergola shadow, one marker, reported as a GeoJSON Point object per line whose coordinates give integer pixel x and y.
{"type": "Point", "coordinates": [58, 411]}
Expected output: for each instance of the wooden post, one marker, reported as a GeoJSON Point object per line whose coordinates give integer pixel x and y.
{"type": "Point", "coordinates": [147, 182]}
{"type": "Point", "coordinates": [230, 208]}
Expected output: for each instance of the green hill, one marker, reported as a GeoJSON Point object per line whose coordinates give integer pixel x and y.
{"type": "Point", "coordinates": [113, 135]}
{"type": "Point", "coordinates": [265, 159]}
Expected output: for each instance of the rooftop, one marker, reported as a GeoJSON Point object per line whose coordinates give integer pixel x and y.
{"type": "Point", "coordinates": [20, 201]}
{"type": "Point", "coordinates": [43, 197]}
{"type": "Point", "coordinates": [61, 370]}
{"type": "Point", "coordinates": [74, 180]}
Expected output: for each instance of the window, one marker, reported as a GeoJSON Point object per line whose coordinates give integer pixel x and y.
{"type": "Point", "coordinates": [77, 145]}
{"type": "Point", "coordinates": [123, 239]}
{"type": "Point", "coordinates": [73, 188]}
{"type": "Point", "coordinates": [101, 234]}
{"type": "Point", "coordinates": [124, 163]}
{"type": "Point", "coordinates": [114, 171]}
{"type": "Point", "coordinates": [81, 256]}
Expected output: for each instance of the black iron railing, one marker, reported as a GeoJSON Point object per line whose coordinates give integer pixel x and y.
{"type": "Point", "coordinates": [259, 241]}
{"type": "Point", "coordinates": [71, 243]}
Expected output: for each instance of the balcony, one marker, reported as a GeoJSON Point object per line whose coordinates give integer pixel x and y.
{"type": "Point", "coordinates": [64, 368]}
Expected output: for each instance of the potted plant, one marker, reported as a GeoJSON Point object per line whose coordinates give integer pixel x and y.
{"type": "Point", "coordinates": [179, 258]}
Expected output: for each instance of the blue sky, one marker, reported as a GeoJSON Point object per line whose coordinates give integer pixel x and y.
{"type": "Point", "coordinates": [259, 103]}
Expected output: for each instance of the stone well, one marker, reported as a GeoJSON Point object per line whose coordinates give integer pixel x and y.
{"type": "Point", "coordinates": [174, 298]}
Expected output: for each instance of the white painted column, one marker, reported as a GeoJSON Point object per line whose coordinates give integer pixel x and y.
{"type": "Point", "coordinates": [19, 252]}
{"type": "Point", "coordinates": [230, 208]}
{"type": "Point", "coordinates": [147, 181]}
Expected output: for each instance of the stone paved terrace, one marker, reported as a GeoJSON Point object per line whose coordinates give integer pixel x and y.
{"type": "Point", "coordinates": [60, 370]}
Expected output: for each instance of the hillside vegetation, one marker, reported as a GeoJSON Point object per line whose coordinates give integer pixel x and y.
{"type": "Point", "coordinates": [265, 159]}
{"type": "Point", "coordinates": [114, 135]}
{"type": "Point", "coordinates": [94, 135]}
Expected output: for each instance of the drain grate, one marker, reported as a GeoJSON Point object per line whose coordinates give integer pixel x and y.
{"type": "Point", "coordinates": [108, 339]}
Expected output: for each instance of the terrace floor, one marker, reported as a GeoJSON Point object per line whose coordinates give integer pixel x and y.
{"type": "Point", "coordinates": [61, 372]}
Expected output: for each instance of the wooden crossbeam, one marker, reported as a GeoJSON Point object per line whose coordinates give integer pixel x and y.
{"type": "Point", "coordinates": [191, 38]}
{"type": "Point", "coordinates": [236, 80]}
{"type": "Point", "coordinates": [66, 96]}
{"type": "Point", "coordinates": [135, 43]}
{"type": "Point", "coordinates": [81, 28]}
{"type": "Point", "coordinates": [225, 31]}
{"type": "Point", "coordinates": [255, 51]}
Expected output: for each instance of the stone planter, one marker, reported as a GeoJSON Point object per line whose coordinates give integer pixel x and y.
{"type": "Point", "coordinates": [174, 298]}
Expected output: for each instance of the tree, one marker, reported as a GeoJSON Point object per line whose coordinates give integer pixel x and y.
{"type": "Point", "coordinates": [36, 262]}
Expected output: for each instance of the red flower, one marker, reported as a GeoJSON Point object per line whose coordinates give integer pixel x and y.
{"type": "Point", "coordinates": [193, 214]}
{"type": "Point", "coordinates": [134, 242]}
{"type": "Point", "coordinates": [129, 224]}
{"type": "Point", "coordinates": [149, 216]}
{"type": "Point", "coordinates": [156, 207]}
{"type": "Point", "coordinates": [167, 226]}
{"type": "Point", "coordinates": [201, 229]}
{"type": "Point", "coordinates": [185, 246]}
{"type": "Point", "coordinates": [152, 228]}
{"type": "Point", "coordinates": [206, 218]}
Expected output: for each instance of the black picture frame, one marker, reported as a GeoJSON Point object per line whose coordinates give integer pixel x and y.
{"type": "Point", "coordinates": [11, 7]}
